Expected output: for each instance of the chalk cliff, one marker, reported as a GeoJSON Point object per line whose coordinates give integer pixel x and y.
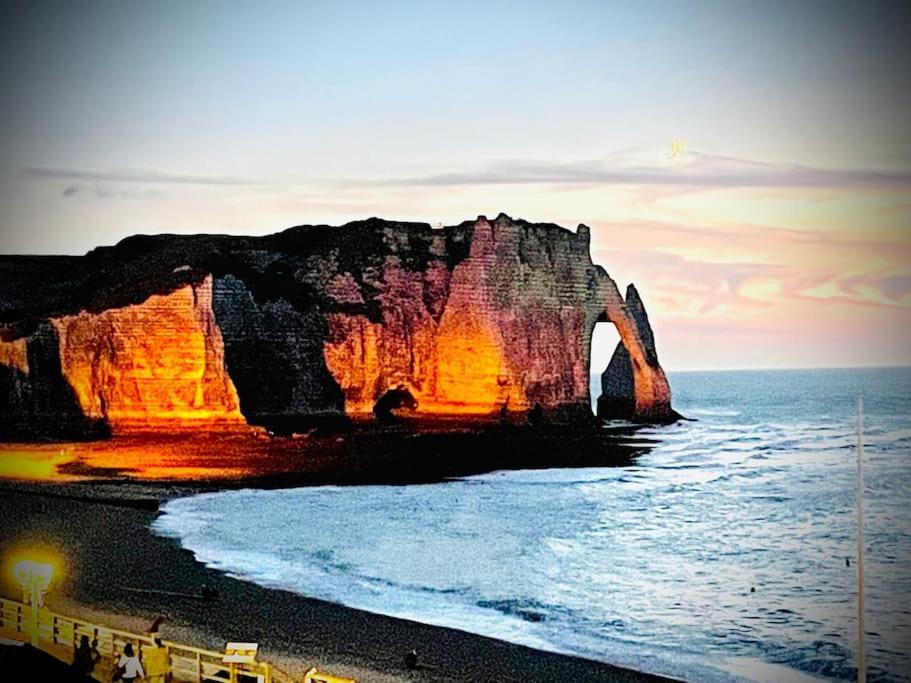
{"type": "Point", "coordinates": [621, 397]}
{"type": "Point", "coordinates": [482, 319]}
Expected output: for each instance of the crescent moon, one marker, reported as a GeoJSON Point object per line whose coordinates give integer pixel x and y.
{"type": "Point", "coordinates": [675, 149]}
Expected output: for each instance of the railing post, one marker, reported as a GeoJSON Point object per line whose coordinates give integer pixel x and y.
{"type": "Point", "coordinates": [35, 623]}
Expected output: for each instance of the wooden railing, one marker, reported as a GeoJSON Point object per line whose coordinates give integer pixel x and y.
{"type": "Point", "coordinates": [163, 660]}
{"type": "Point", "coordinates": [315, 676]}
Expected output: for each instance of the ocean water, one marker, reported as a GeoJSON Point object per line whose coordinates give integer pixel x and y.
{"type": "Point", "coordinates": [720, 555]}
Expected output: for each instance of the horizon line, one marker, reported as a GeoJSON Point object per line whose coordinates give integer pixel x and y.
{"type": "Point", "coordinates": [783, 368]}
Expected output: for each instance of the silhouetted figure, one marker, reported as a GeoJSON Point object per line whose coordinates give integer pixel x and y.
{"type": "Point", "coordinates": [411, 659]}
{"type": "Point", "coordinates": [154, 628]}
{"type": "Point", "coordinates": [847, 561]}
{"type": "Point", "coordinates": [536, 416]}
{"type": "Point", "coordinates": [752, 589]}
{"type": "Point", "coordinates": [393, 399]}
{"type": "Point", "coordinates": [86, 656]}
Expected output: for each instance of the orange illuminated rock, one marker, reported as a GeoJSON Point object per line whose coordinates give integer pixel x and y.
{"type": "Point", "coordinates": [454, 363]}
{"type": "Point", "coordinates": [13, 355]}
{"type": "Point", "coordinates": [159, 360]}
{"type": "Point", "coordinates": [517, 317]}
{"type": "Point", "coordinates": [481, 319]}
{"type": "Point", "coordinates": [634, 385]}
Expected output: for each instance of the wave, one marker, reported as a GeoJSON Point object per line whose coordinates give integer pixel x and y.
{"type": "Point", "coordinates": [717, 556]}
{"type": "Point", "coordinates": [714, 412]}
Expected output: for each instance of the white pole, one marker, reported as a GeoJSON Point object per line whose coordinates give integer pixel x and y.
{"type": "Point", "coordinates": [861, 657]}
{"type": "Point", "coordinates": [36, 618]}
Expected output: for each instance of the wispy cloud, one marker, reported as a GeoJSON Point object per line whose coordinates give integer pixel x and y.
{"type": "Point", "coordinates": [109, 190]}
{"type": "Point", "coordinates": [131, 176]}
{"type": "Point", "coordinates": [807, 290]}
{"type": "Point", "coordinates": [694, 169]}
{"type": "Point", "coordinates": [749, 240]}
{"type": "Point", "coordinates": [691, 169]}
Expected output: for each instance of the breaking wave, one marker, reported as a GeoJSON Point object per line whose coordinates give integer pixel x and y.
{"type": "Point", "coordinates": [720, 555]}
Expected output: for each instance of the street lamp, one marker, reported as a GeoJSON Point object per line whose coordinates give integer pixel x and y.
{"type": "Point", "coordinates": [34, 578]}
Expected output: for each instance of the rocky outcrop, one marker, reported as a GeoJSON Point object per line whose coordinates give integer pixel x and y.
{"type": "Point", "coordinates": [481, 319]}
{"type": "Point", "coordinates": [634, 386]}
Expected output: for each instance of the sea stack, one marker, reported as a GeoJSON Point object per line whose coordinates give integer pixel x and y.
{"type": "Point", "coordinates": [476, 320]}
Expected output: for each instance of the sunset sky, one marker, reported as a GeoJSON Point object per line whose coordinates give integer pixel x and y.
{"type": "Point", "coordinates": [780, 237]}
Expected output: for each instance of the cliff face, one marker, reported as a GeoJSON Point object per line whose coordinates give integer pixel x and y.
{"type": "Point", "coordinates": [160, 360]}
{"type": "Point", "coordinates": [274, 354]}
{"type": "Point", "coordinates": [36, 401]}
{"type": "Point", "coordinates": [503, 329]}
{"type": "Point", "coordinates": [482, 319]}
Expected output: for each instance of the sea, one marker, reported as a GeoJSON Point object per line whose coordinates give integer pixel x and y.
{"type": "Point", "coordinates": [725, 552]}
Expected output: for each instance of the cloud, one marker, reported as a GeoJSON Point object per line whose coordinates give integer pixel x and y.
{"type": "Point", "coordinates": [746, 239]}
{"type": "Point", "coordinates": [101, 190]}
{"type": "Point", "coordinates": [695, 170]}
{"type": "Point", "coordinates": [109, 191]}
{"type": "Point", "coordinates": [690, 287]}
{"type": "Point", "coordinates": [744, 293]}
{"type": "Point", "coordinates": [691, 169]}
{"type": "Point", "coordinates": [896, 287]}
{"type": "Point", "coordinates": [131, 176]}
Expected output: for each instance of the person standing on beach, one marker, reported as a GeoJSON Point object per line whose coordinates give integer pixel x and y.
{"type": "Point", "coordinates": [129, 665]}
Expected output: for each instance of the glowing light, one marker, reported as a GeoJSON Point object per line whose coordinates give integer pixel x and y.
{"type": "Point", "coordinates": [34, 578]}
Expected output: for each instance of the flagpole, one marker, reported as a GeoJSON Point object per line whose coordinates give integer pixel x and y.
{"type": "Point", "coordinates": [861, 655]}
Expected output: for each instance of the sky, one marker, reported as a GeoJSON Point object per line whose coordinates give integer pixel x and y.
{"type": "Point", "coordinates": [780, 236]}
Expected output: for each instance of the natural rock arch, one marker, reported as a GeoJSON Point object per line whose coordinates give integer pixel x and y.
{"type": "Point", "coordinates": [634, 386]}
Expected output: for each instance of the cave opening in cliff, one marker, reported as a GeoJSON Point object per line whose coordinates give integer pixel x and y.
{"type": "Point", "coordinates": [604, 341]}
{"type": "Point", "coordinates": [396, 398]}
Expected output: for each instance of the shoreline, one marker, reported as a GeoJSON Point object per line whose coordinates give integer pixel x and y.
{"type": "Point", "coordinates": [120, 573]}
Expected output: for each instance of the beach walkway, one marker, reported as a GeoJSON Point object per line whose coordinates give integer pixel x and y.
{"type": "Point", "coordinates": [163, 660]}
